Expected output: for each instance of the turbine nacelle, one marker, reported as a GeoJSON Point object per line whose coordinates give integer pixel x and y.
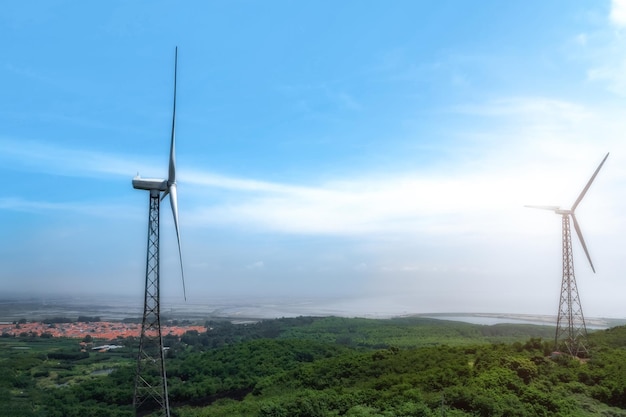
{"type": "Point", "coordinates": [150, 184]}
{"type": "Point", "coordinates": [556, 209]}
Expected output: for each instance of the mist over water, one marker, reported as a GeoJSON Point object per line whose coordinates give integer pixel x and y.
{"type": "Point", "coordinates": [120, 307]}
{"type": "Point", "coordinates": [115, 308]}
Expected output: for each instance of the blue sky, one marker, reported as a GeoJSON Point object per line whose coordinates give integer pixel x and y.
{"type": "Point", "coordinates": [376, 151]}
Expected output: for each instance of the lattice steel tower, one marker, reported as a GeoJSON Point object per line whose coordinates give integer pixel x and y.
{"type": "Point", "coordinates": [571, 331]}
{"type": "Point", "coordinates": [150, 379]}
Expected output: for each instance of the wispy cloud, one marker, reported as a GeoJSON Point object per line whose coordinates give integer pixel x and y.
{"type": "Point", "coordinates": [525, 107]}
{"type": "Point", "coordinates": [546, 139]}
{"type": "Point", "coordinates": [373, 204]}
{"type": "Point", "coordinates": [537, 150]}
{"type": "Point", "coordinates": [111, 210]}
{"type": "Point", "coordinates": [605, 51]}
{"type": "Point", "coordinates": [256, 265]}
{"type": "Point", "coordinates": [209, 179]}
{"type": "Point", "coordinates": [19, 204]}
{"type": "Point", "coordinates": [405, 204]}
{"type": "Point", "coordinates": [37, 156]}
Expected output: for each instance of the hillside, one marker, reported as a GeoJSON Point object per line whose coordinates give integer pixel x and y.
{"type": "Point", "coordinates": [329, 366]}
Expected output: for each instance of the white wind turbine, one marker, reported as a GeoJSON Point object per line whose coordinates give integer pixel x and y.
{"type": "Point", "coordinates": [151, 393]}
{"type": "Point", "coordinates": [570, 326]}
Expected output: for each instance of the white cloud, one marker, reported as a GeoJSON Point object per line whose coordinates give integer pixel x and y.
{"type": "Point", "coordinates": [618, 13]}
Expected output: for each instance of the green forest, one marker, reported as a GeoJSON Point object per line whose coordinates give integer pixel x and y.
{"type": "Point", "coordinates": [314, 366]}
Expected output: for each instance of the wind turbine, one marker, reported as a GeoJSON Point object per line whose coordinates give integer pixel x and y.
{"type": "Point", "coordinates": [150, 378]}
{"type": "Point", "coordinates": [570, 325]}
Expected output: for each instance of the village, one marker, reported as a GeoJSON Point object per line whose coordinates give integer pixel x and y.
{"type": "Point", "coordinates": [96, 330]}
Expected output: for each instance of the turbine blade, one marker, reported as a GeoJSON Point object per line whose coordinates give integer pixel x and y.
{"type": "Point", "coordinates": [174, 203]}
{"type": "Point", "coordinates": [172, 171]}
{"type": "Point", "coordinates": [582, 194]}
{"type": "Point", "coordinates": [551, 208]}
{"type": "Point", "coordinates": [582, 241]}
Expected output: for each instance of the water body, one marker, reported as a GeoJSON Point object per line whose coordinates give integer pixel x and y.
{"type": "Point", "coordinates": [492, 319]}
{"type": "Point", "coordinates": [241, 310]}
{"type": "Point", "coordinates": [102, 372]}
{"type": "Point", "coordinates": [489, 321]}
